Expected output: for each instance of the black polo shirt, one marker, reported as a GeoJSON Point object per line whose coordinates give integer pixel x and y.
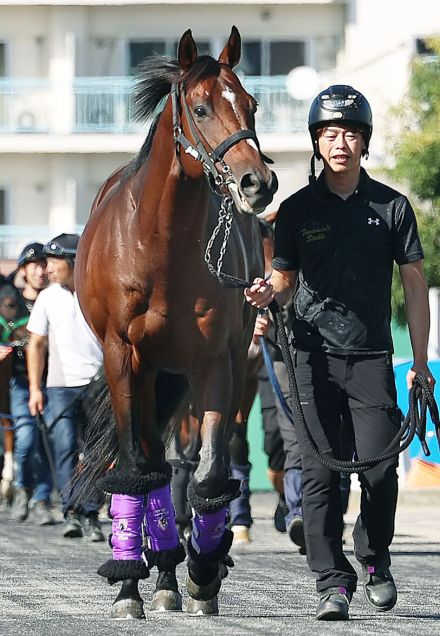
{"type": "Point", "coordinates": [344, 252]}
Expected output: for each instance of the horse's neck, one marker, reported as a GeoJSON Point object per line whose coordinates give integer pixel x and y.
{"type": "Point", "coordinates": [173, 204]}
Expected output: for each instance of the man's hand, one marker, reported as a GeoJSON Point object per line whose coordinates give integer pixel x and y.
{"type": "Point", "coordinates": [5, 351]}
{"type": "Point", "coordinates": [36, 402]}
{"type": "Point", "coordinates": [262, 326]}
{"type": "Point", "coordinates": [260, 294]}
{"type": "Point", "coordinates": [423, 369]}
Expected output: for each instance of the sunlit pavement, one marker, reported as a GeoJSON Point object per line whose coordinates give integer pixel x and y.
{"type": "Point", "coordinates": [49, 585]}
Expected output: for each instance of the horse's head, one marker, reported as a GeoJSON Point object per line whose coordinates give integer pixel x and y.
{"type": "Point", "coordinates": [217, 124]}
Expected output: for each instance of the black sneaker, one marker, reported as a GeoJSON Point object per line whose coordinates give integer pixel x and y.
{"type": "Point", "coordinates": [379, 587]}
{"type": "Point", "coordinates": [279, 516]}
{"type": "Point", "coordinates": [333, 604]}
{"type": "Point", "coordinates": [72, 525]}
{"type": "Point", "coordinates": [92, 527]}
{"type": "Point", "coordinates": [42, 513]}
{"type": "Point", "coordinates": [295, 530]}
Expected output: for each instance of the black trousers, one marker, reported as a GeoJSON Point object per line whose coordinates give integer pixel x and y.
{"type": "Point", "coordinates": [358, 393]}
{"type": "Point", "coordinates": [273, 443]}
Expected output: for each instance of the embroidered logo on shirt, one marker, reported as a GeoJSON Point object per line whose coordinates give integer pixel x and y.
{"type": "Point", "coordinates": [371, 221]}
{"type": "Point", "coordinates": [315, 234]}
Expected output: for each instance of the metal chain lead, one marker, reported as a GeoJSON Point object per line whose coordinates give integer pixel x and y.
{"type": "Point", "coordinates": [225, 218]}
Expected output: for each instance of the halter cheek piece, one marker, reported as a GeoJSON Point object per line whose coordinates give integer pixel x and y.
{"type": "Point", "coordinates": [208, 156]}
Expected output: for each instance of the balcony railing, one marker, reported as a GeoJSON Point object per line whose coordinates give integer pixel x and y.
{"type": "Point", "coordinates": [104, 105]}
{"type": "Point", "coordinates": [14, 237]}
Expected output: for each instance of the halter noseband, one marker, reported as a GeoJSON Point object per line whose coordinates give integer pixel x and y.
{"type": "Point", "coordinates": [208, 156]}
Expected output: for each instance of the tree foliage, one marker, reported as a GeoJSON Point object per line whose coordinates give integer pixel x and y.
{"type": "Point", "coordinates": [417, 162]}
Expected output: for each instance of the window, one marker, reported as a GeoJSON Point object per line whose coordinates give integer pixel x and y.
{"type": "Point", "coordinates": [3, 214]}
{"type": "Point", "coordinates": [422, 47]}
{"type": "Point", "coordinates": [2, 59]}
{"type": "Point", "coordinates": [250, 62]}
{"type": "Point", "coordinates": [284, 56]}
{"type": "Point", "coordinates": [138, 51]}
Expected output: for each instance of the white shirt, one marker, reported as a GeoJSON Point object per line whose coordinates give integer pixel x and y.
{"type": "Point", "coordinates": [75, 354]}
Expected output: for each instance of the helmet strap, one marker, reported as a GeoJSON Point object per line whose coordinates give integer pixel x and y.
{"type": "Point", "coordinates": [312, 177]}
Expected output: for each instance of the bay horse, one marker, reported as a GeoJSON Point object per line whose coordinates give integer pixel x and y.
{"type": "Point", "coordinates": [13, 336]}
{"type": "Point", "coordinates": [150, 288]}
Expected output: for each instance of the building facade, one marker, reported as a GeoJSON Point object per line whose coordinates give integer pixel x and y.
{"type": "Point", "coordinates": [66, 76]}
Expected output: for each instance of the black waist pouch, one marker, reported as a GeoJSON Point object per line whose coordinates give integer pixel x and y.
{"type": "Point", "coordinates": [338, 326]}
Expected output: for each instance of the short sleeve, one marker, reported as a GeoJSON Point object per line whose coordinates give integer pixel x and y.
{"type": "Point", "coordinates": [407, 246]}
{"type": "Point", "coordinates": [285, 253]}
{"type": "Point", "coordinates": [38, 322]}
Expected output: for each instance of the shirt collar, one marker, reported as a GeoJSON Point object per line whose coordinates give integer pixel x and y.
{"type": "Point", "coordinates": [364, 185]}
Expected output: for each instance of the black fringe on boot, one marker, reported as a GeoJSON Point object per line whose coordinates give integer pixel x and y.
{"type": "Point", "coordinates": [115, 571]}
{"type": "Point", "coordinates": [165, 560]}
{"type": "Point", "coordinates": [205, 504]}
{"type": "Point", "coordinates": [121, 482]}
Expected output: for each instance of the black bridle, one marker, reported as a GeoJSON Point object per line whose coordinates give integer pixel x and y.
{"type": "Point", "coordinates": [201, 151]}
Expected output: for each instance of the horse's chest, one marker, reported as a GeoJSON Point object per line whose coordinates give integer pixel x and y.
{"type": "Point", "coordinates": [173, 334]}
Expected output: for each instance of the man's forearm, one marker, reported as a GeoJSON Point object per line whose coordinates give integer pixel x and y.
{"type": "Point", "coordinates": [36, 359]}
{"type": "Point", "coordinates": [284, 284]}
{"type": "Point", "coordinates": [417, 313]}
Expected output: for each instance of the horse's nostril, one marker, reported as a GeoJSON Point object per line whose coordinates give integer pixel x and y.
{"type": "Point", "coordinates": [250, 183]}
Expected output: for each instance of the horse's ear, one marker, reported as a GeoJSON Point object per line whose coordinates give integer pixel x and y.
{"type": "Point", "coordinates": [232, 52]}
{"type": "Point", "coordinates": [187, 51]}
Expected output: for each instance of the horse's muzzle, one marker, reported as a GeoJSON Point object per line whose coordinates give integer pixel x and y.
{"type": "Point", "coordinates": [257, 192]}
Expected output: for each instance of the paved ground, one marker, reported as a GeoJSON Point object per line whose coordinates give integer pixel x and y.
{"type": "Point", "coordinates": [49, 586]}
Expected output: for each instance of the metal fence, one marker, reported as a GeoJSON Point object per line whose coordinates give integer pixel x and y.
{"type": "Point", "coordinates": [14, 237]}
{"type": "Point", "coordinates": [104, 105]}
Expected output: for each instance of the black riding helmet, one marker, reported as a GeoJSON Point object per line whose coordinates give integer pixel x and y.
{"type": "Point", "coordinates": [62, 246]}
{"type": "Point", "coordinates": [340, 104]}
{"type": "Point", "coordinates": [31, 253]}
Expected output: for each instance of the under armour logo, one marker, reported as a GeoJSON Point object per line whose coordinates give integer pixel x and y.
{"type": "Point", "coordinates": [371, 221]}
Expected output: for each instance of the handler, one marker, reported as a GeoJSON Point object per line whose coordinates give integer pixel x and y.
{"type": "Point", "coordinates": [335, 243]}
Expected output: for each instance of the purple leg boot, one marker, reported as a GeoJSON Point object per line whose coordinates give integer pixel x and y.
{"type": "Point", "coordinates": [164, 549]}
{"type": "Point", "coordinates": [209, 545]}
{"type": "Point", "coordinates": [128, 564]}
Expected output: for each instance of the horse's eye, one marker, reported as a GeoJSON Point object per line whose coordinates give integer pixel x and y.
{"type": "Point", "coordinates": [200, 111]}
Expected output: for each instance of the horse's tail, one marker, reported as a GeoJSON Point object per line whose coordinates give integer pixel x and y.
{"type": "Point", "coordinates": [100, 440]}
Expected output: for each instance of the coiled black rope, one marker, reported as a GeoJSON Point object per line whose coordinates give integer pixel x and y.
{"type": "Point", "coordinates": [421, 399]}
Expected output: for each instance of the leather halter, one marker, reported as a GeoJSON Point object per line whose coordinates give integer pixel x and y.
{"type": "Point", "coordinates": [209, 157]}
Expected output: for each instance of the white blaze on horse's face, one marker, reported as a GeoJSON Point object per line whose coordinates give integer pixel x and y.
{"type": "Point", "coordinates": [230, 96]}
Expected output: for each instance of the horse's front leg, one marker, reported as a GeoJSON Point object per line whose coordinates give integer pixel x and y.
{"type": "Point", "coordinates": [141, 503]}
{"type": "Point", "coordinates": [210, 491]}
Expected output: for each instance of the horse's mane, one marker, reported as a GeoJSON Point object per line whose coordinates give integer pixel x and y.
{"type": "Point", "coordinates": [155, 77]}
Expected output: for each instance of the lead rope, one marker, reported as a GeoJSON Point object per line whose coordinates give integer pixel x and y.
{"type": "Point", "coordinates": [421, 399]}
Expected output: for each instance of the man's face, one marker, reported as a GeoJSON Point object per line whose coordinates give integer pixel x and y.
{"type": "Point", "coordinates": [341, 148]}
{"type": "Point", "coordinates": [59, 270]}
{"type": "Point", "coordinates": [35, 274]}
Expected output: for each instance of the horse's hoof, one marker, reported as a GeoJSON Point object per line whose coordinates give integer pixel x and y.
{"type": "Point", "coordinates": [202, 608]}
{"type": "Point", "coordinates": [127, 608]}
{"type": "Point", "coordinates": [166, 601]}
{"type": "Point", "coordinates": [203, 592]}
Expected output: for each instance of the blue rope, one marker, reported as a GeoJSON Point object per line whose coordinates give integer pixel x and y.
{"type": "Point", "coordinates": [274, 380]}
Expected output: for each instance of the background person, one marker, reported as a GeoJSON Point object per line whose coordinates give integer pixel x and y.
{"type": "Point", "coordinates": [33, 478]}
{"type": "Point", "coordinates": [57, 326]}
{"type": "Point", "coordinates": [335, 244]}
